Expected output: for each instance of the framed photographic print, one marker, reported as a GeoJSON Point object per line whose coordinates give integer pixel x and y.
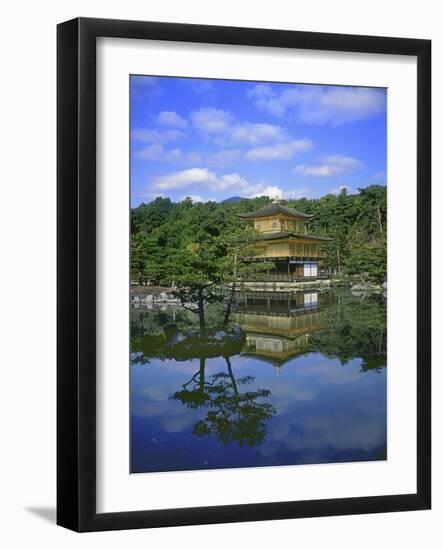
{"type": "Point", "coordinates": [243, 274]}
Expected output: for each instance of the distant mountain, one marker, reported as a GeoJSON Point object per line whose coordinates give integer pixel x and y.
{"type": "Point", "coordinates": [233, 199]}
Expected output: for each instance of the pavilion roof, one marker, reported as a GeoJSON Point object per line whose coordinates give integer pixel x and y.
{"type": "Point", "coordinates": [273, 209]}
{"type": "Point", "coordinates": [288, 234]}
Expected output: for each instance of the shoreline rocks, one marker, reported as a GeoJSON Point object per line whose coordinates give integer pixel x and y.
{"type": "Point", "coordinates": [150, 296]}
{"type": "Point", "coordinates": [361, 289]}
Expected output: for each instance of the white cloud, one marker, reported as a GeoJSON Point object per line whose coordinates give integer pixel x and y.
{"type": "Point", "coordinates": [211, 121]}
{"type": "Point", "coordinates": [224, 157]}
{"type": "Point", "coordinates": [148, 135]}
{"type": "Point", "coordinates": [278, 151]}
{"type": "Point", "coordinates": [320, 104]}
{"type": "Point", "coordinates": [224, 130]}
{"type": "Point", "coordinates": [265, 141]}
{"type": "Point", "coordinates": [172, 119]}
{"type": "Point", "coordinates": [330, 165]}
{"type": "Point", "coordinates": [261, 91]}
{"type": "Point", "coordinates": [272, 191]}
{"type": "Point", "coordinates": [275, 192]}
{"type": "Point", "coordinates": [255, 133]}
{"type": "Point", "coordinates": [313, 170]}
{"type": "Point", "coordinates": [232, 181]}
{"type": "Point", "coordinates": [194, 178]}
{"type": "Point", "coordinates": [184, 178]}
{"type": "Point", "coordinates": [158, 153]}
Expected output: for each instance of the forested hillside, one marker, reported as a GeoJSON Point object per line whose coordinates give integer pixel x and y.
{"type": "Point", "coordinates": [169, 238]}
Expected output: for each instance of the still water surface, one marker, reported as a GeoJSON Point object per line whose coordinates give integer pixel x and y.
{"type": "Point", "coordinates": [295, 379]}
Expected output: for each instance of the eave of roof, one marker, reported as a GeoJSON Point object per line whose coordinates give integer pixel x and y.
{"type": "Point", "coordinates": [275, 208]}
{"type": "Point", "coordinates": [290, 234]}
{"type": "Point", "coordinates": [273, 359]}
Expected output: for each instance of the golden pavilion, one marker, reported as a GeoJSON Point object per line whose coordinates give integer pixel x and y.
{"type": "Point", "coordinates": [279, 325]}
{"type": "Point", "coordinates": [285, 241]}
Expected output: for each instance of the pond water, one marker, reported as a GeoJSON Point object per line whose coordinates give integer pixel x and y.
{"type": "Point", "coordinates": [296, 378]}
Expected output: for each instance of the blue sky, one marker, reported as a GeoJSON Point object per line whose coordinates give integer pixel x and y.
{"type": "Point", "coordinates": [214, 139]}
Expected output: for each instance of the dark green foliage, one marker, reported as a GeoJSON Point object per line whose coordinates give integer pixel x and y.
{"type": "Point", "coordinates": [356, 328]}
{"type": "Point", "coordinates": [167, 237]}
{"type": "Point", "coordinates": [195, 247]}
{"type": "Point", "coordinates": [357, 225]}
{"type": "Point", "coordinates": [368, 260]}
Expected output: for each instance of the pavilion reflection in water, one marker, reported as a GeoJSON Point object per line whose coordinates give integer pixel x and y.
{"type": "Point", "coordinates": [279, 325]}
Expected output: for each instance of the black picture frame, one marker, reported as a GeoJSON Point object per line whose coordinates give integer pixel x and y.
{"type": "Point", "coordinates": [76, 272]}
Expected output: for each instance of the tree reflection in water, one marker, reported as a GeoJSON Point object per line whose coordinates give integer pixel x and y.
{"type": "Point", "coordinates": [232, 415]}
{"type": "Point", "coordinates": [313, 412]}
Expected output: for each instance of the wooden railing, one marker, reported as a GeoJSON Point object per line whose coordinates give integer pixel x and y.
{"type": "Point", "coordinates": [286, 277]}
{"type": "Point", "coordinates": [287, 254]}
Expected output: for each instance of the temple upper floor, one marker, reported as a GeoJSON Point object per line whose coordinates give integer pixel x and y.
{"type": "Point", "coordinates": [276, 217]}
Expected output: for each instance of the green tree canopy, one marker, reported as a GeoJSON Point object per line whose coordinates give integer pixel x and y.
{"type": "Point", "coordinates": [198, 246]}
